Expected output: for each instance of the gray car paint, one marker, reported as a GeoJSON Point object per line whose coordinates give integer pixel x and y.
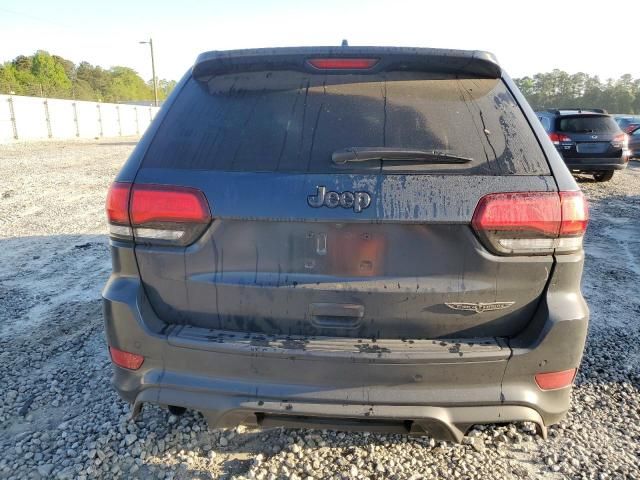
{"type": "Point", "coordinates": [444, 392]}
{"type": "Point", "coordinates": [634, 143]}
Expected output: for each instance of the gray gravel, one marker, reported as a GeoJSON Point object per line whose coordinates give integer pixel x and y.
{"type": "Point", "coordinates": [59, 417]}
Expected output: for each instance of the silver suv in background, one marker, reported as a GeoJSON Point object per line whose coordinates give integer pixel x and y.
{"type": "Point", "coordinates": [350, 238]}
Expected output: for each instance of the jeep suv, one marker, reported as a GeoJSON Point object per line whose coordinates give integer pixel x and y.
{"type": "Point", "coordinates": [347, 238]}
{"type": "Point", "coordinates": [590, 141]}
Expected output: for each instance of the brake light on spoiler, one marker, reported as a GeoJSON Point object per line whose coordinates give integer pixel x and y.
{"type": "Point", "coordinates": [156, 214]}
{"type": "Point", "coordinates": [531, 222]}
{"type": "Point", "coordinates": [342, 63]}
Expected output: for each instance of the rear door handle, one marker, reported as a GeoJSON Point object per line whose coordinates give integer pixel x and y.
{"type": "Point", "coordinates": [336, 315]}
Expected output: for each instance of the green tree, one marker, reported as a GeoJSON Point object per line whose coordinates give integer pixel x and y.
{"type": "Point", "coordinates": [164, 88]}
{"type": "Point", "coordinates": [126, 84]}
{"type": "Point", "coordinates": [50, 75]}
{"type": "Point", "coordinates": [95, 77]}
{"type": "Point", "coordinates": [43, 74]}
{"type": "Point", "coordinates": [8, 80]}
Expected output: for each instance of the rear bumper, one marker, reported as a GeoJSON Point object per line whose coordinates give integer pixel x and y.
{"type": "Point", "coordinates": [439, 387]}
{"type": "Point", "coordinates": [596, 164]}
{"type": "Point", "coordinates": [441, 422]}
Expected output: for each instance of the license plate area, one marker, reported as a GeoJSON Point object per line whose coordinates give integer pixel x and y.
{"type": "Point", "coordinates": [592, 147]}
{"type": "Point", "coordinates": [345, 250]}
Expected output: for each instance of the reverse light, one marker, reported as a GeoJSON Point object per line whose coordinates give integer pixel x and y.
{"type": "Point", "coordinates": [531, 222]}
{"type": "Point", "coordinates": [555, 380]}
{"type": "Point", "coordinates": [575, 214]}
{"type": "Point", "coordinates": [130, 361]}
{"type": "Point", "coordinates": [342, 63]}
{"type": "Point", "coordinates": [157, 214]}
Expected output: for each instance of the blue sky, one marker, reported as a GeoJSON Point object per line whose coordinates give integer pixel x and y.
{"type": "Point", "coordinates": [520, 33]}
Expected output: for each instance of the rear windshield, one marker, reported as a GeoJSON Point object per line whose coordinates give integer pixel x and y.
{"type": "Point", "coordinates": [293, 122]}
{"type": "Point", "coordinates": [588, 124]}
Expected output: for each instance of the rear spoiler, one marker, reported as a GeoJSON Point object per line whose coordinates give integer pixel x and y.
{"type": "Point", "coordinates": [469, 62]}
{"type": "Point", "coordinates": [568, 111]}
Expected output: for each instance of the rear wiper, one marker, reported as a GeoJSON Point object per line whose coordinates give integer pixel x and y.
{"type": "Point", "coordinates": [365, 154]}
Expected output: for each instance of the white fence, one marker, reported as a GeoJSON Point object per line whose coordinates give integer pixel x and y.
{"type": "Point", "coordinates": [36, 118]}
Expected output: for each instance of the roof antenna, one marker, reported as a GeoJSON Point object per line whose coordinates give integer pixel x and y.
{"type": "Point", "coordinates": [344, 43]}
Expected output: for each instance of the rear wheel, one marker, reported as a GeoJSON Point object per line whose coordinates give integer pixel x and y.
{"type": "Point", "coordinates": [603, 176]}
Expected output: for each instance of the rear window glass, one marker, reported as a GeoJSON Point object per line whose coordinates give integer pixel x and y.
{"type": "Point", "coordinates": [285, 121]}
{"type": "Point", "coordinates": [588, 124]}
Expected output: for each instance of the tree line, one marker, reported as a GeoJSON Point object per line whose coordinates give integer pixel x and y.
{"type": "Point", "coordinates": [46, 75]}
{"type": "Point", "coordinates": [558, 89]}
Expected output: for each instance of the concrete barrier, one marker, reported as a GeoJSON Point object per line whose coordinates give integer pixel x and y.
{"type": "Point", "coordinates": [36, 118]}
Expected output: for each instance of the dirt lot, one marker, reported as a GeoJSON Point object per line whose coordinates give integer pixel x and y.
{"type": "Point", "coordinates": [59, 418]}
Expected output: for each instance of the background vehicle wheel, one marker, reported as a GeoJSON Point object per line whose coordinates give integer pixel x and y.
{"type": "Point", "coordinates": [177, 411]}
{"type": "Point", "coordinates": [603, 176]}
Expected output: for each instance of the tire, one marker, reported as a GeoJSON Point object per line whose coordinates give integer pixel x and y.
{"type": "Point", "coordinates": [604, 176]}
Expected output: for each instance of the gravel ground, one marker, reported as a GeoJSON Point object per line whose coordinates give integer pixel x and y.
{"type": "Point", "coordinates": [59, 417]}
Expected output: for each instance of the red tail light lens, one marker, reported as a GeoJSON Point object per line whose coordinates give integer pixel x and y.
{"type": "Point", "coordinates": [537, 212]}
{"type": "Point", "coordinates": [555, 380]}
{"type": "Point", "coordinates": [159, 214]}
{"type": "Point", "coordinates": [131, 361]}
{"type": "Point", "coordinates": [159, 203]}
{"type": "Point", "coordinates": [118, 211]}
{"type": "Point", "coordinates": [118, 203]}
{"type": "Point", "coordinates": [342, 63]}
{"type": "Point", "coordinates": [531, 222]}
{"type": "Point", "coordinates": [556, 138]}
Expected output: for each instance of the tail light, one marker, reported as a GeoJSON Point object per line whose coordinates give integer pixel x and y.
{"type": "Point", "coordinates": [533, 223]}
{"type": "Point", "coordinates": [621, 141]}
{"type": "Point", "coordinates": [130, 361]}
{"type": "Point", "coordinates": [556, 138]}
{"type": "Point", "coordinates": [156, 214]}
{"type": "Point", "coordinates": [342, 63]}
{"type": "Point", "coordinates": [118, 210]}
{"type": "Point", "coordinates": [555, 380]}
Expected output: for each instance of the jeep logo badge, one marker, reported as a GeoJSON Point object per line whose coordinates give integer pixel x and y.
{"type": "Point", "coordinates": [358, 201]}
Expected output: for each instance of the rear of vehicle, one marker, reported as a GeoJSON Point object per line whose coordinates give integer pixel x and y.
{"type": "Point", "coordinates": [589, 143]}
{"type": "Point", "coordinates": [634, 143]}
{"type": "Point", "coordinates": [356, 238]}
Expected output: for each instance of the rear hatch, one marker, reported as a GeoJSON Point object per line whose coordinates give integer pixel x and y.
{"type": "Point", "coordinates": [312, 233]}
{"type": "Point", "coordinates": [590, 136]}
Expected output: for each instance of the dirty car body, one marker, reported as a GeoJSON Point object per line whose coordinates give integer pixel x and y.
{"type": "Point", "coordinates": [350, 238]}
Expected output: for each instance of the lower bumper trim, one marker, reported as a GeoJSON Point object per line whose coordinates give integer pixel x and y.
{"type": "Point", "coordinates": [440, 422]}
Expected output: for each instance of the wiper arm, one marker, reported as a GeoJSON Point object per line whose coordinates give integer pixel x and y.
{"type": "Point", "coordinates": [366, 154]}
